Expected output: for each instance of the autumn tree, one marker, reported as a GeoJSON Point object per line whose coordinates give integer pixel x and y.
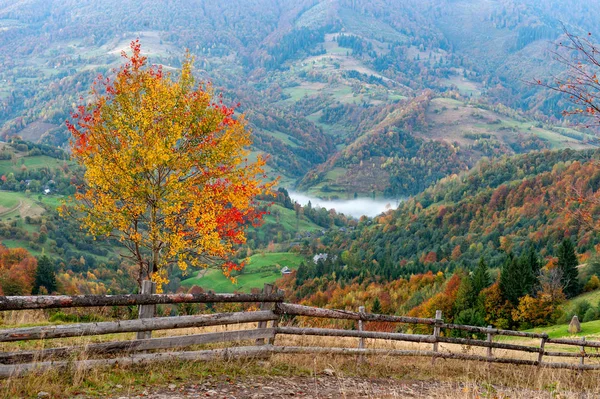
{"type": "Point", "coordinates": [17, 271]}
{"type": "Point", "coordinates": [166, 169]}
{"type": "Point", "coordinates": [497, 310]}
{"type": "Point", "coordinates": [580, 83]}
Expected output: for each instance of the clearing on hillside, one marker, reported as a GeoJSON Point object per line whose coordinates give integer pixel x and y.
{"type": "Point", "coordinates": [260, 269]}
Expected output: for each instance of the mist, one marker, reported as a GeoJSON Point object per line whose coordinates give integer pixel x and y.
{"type": "Point", "coordinates": [355, 207]}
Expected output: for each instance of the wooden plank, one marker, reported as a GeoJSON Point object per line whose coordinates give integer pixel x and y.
{"type": "Point", "coordinates": [571, 354]}
{"type": "Point", "coordinates": [146, 311]}
{"type": "Point", "coordinates": [542, 351]}
{"type": "Point", "coordinates": [391, 352]}
{"type": "Point", "coordinates": [490, 339]}
{"type": "Point", "coordinates": [110, 327]}
{"type": "Point", "coordinates": [348, 351]}
{"type": "Point", "coordinates": [402, 337]}
{"type": "Point", "coordinates": [325, 332]}
{"type": "Point", "coordinates": [300, 310]}
{"type": "Point", "coordinates": [105, 348]}
{"type": "Point", "coordinates": [361, 341]}
{"type": "Point", "coordinates": [486, 344]}
{"type": "Point", "coordinates": [275, 323]}
{"type": "Point", "coordinates": [361, 327]}
{"type": "Point", "coordinates": [64, 301]}
{"type": "Point", "coordinates": [571, 366]}
{"type": "Point", "coordinates": [582, 353]}
{"type": "Point", "coordinates": [436, 332]}
{"type": "Point", "coordinates": [495, 331]}
{"type": "Point", "coordinates": [7, 371]}
{"type": "Point", "coordinates": [268, 289]}
{"type": "Point", "coordinates": [576, 342]}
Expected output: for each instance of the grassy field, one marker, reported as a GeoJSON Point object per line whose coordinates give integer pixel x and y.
{"type": "Point", "coordinates": [14, 205]}
{"type": "Point", "coordinates": [9, 200]}
{"type": "Point", "coordinates": [35, 162]}
{"type": "Point", "coordinates": [590, 329]}
{"type": "Point", "coordinates": [260, 269]}
{"type": "Point", "coordinates": [281, 136]}
{"type": "Point", "coordinates": [592, 297]}
{"type": "Point", "coordinates": [286, 218]}
{"type": "Point", "coordinates": [20, 205]}
{"type": "Point", "coordinates": [458, 117]}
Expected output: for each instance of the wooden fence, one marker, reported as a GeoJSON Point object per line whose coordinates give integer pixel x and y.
{"type": "Point", "coordinates": [261, 341]}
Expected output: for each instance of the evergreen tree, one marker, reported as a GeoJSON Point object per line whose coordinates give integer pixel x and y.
{"type": "Point", "coordinates": [376, 308]}
{"type": "Point", "coordinates": [44, 276]}
{"type": "Point", "coordinates": [529, 269]}
{"type": "Point", "coordinates": [481, 277]}
{"type": "Point", "coordinates": [535, 266]}
{"type": "Point", "coordinates": [470, 317]}
{"type": "Point", "coordinates": [511, 279]}
{"type": "Point", "coordinates": [567, 264]}
{"type": "Point", "coordinates": [465, 296]}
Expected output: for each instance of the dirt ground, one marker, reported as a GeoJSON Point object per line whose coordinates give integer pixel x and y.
{"type": "Point", "coordinates": [325, 387]}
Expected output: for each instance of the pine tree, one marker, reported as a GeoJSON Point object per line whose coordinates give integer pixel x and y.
{"type": "Point", "coordinates": [535, 266]}
{"type": "Point", "coordinates": [567, 264]}
{"type": "Point", "coordinates": [481, 277]}
{"type": "Point", "coordinates": [529, 270]}
{"type": "Point", "coordinates": [465, 296]}
{"type": "Point", "coordinates": [376, 308]}
{"type": "Point", "coordinates": [511, 280]}
{"type": "Point", "coordinates": [44, 276]}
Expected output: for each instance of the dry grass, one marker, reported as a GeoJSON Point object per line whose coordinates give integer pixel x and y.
{"type": "Point", "coordinates": [443, 379]}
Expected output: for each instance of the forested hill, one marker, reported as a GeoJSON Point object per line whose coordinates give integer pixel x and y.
{"type": "Point", "coordinates": [325, 84]}
{"type": "Point", "coordinates": [500, 206]}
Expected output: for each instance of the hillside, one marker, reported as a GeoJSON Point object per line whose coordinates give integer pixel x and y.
{"type": "Point", "coordinates": [321, 83]}
{"type": "Point", "coordinates": [260, 269]}
{"type": "Point", "coordinates": [400, 150]}
{"type": "Point", "coordinates": [498, 206]}
{"type": "Point", "coordinates": [37, 179]}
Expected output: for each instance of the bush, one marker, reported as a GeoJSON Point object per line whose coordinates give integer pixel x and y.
{"type": "Point", "coordinates": [469, 317]}
{"type": "Point", "coordinates": [580, 309]}
{"type": "Point", "coordinates": [590, 315]}
{"type": "Point", "coordinates": [592, 284]}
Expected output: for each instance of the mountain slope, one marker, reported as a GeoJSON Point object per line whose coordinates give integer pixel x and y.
{"type": "Point", "coordinates": [502, 205]}
{"type": "Point", "coordinates": [319, 80]}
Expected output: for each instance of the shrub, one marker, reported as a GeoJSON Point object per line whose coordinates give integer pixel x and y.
{"type": "Point", "coordinates": [469, 317]}
{"type": "Point", "coordinates": [590, 315]}
{"type": "Point", "coordinates": [580, 309]}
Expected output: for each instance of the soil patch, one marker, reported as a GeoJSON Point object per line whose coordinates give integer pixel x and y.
{"type": "Point", "coordinates": [335, 387]}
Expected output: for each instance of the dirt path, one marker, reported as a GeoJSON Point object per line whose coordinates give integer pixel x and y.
{"type": "Point", "coordinates": [14, 208]}
{"type": "Point", "coordinates": [325, 387]}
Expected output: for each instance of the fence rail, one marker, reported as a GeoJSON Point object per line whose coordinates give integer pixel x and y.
{"type": "Point", "coordinates": [81, 301]}
{"type": "Point", "coordinates": [263, 339]}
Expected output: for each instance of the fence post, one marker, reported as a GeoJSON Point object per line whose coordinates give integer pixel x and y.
{"type": "Point", "coordinates": [581, 361]}
{"type": "Point", "coordinates": [541, 354]}
{"type": "Point", "coordinates": [361, 340]}
{"type": "Point", "coordinates": [146, 311]}
{"type": "Point", "coordinates": [436, 332]}
{"type": "Point", "coordinates": [275, 322]}
{"type": "Point", "coordinates": [490, 338]}
{"type": "Point", "coordinates": [268, 289]}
